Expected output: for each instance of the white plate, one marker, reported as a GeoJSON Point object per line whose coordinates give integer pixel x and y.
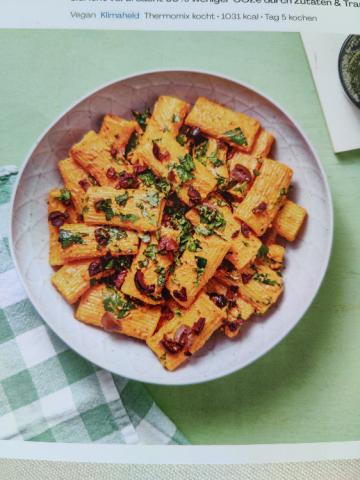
{"type": "Point", "coordinates": [307, 258]}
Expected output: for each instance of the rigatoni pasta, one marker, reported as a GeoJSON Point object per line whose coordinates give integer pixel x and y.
{"type": "Point", "coordinates": [166, 229]}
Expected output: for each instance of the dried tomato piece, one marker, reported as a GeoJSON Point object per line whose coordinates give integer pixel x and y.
{"type": "Point", "coordinates": [110, 322]}
{"type": "Point", "coordinates": [231, 293]}
{"type": "Point", "coordinates": [219, 299]}
{"type": "Point", "coordinates": [57, 218]}
{"type": "Point", "coordinates": [234, 325]}
{"type": "Point", "coordinates": [245, 229]}
{"type": "Point", "coordinates": [259, 209]}
{"type": "Point", "coordinates": [241, 174]}
{"type": "Point", "coordinates": [95, 268]}
{"type": "Point", "coordinates": [166, 313]}
{"type": "Point", "coordinates": [111, 173]}
{"type": "Point", "coordinates": [227, 265]}
{"type": "Point", "coordinates": [120, 278]}
{"type": "Point", "coordinates": [102, 236]}
{"type": "Point", "coordinates": [113, 151]}
{"type": "Point", "coordinates": [180, 294]}
{"type": "Point", "coordinates": [140, 284]}
{"type": "Point", "coordinates": [170, 345]}
{"type": "Point", "coordinates": [230, 153]}
{"type": "Point", "coordinates": [246, 277]}
{"type": "Point", "coordinates": [194, 196]}
{"type": "Point", "coordinates": [84, 184]}
{"type": "Point", "coordinates": [161, 155]}
{"type": "Point", "coordinates": [167, 245]}
{"type": "Point", "coordinates": [199, 325]}
{"type": "Point", "coordinates": [171, 176]}
{"type": "Point", "coordinates": [139, 168]}
{"type": "Point", "coordinates": [127, 180]}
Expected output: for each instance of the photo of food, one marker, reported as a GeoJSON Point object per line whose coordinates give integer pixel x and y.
{"type": "Point", "coordinates": [178, 237]}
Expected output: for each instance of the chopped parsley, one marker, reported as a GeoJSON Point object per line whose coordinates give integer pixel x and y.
{"type": "Point", "coordinates": [67, 238]}
{"type": "Point", "coordinates": [203, 230]}
{"type": "Point", "coordinates": [220, 180]}
{"type": "Point", "coordinates": [201, 263]}
{"type": "Point", "coordinates": [241, 188]}
{"type": "Point", "coordinates": [122, 199]}
{"type": "Point", "coordinates": [142, 117]}
{"type": "Point", "coordinates": [152, 198]}
{"type": "Point", "coordinates": [215, 161]}
{"type": "Point", "coordinates": [194, 245]}
{"type": "Point", "coordinates": [146, 214]}
{"type": "Point", "coordinates": [256, 172]}
{"type": "Point", "coordinates": [143, 263]}
{"type": "Point", "coordinates": [128, 217]}
{"type": "Point", "coordinates": [236, 136]}
{"type": "Point", "coordinates": [263, 251]}
{"type": "Point", "coordinates": [151, 251]}
{"type": "Point", "coordinates": [211, 217]}
{"type": "Point", "coordinates": [175, 118]}
{"type": "Point", "coordinates": [65, 196]}
{"type": "Point", "coordinates": [118, 305]}
{"type": "Point", "coordinates": [185, 168]}
{"type": "Point", "coordinates": [163, 185]}
{"type": "Point", "coordinates": [116, 233]}
{"type": "Point", "coordinates": [162, 276]}
{"type": "Point", "coordinates": [201, 150]}
{"type": "Point", "coordinates": [264, 278]}
{"type": "Point", "coordinates": [181, 139]}
{"type": "Point", "coordinates": [147, 177]}
{"type": "Point", "coordinates": [145, 237]}
{"type": "Point", "coordinates": [104, 205]}
{"type": "Point", "coordinates": [132, 143]}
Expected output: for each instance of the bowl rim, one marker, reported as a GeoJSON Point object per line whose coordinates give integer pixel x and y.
{"type": "Point", "coordinates": [340, 70]}
{"type": "Point", "coordinates": [326, 254]}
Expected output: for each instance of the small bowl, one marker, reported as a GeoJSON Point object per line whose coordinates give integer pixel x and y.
{"type": "Point", "coordinates": [349, 48]}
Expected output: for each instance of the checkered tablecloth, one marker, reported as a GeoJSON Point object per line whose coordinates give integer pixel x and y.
{"type": "Point", "coordinates": [48, 392]}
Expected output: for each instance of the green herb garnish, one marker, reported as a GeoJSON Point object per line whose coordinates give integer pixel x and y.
{"type": "Point", "coordinates": [203, 230]}
{"type": "Point", "coordinates": [216, 162]}
{"type": "Point", "coordinates": [105, 206]}
{"type": "Point", "coordinates": [142, 117]}
{"type": "Point", "coordinates": [201, 263]}
{"type": "Point", "coordinates": [263, 251]}
{"type": "Point", "coordinates": [122, 199]}
{"type": "Point", "coordinates": [65, 196]}
{"type": "Point", "coordinates": [175, 118]}
{"type": "Point", "coordinates": [147, 177]}
{"type": "Point", "coordinates": [162, 276]}
{"type": "Point", "coordinates": [128, 217]}
{"type": "Point", "coordinates": [67, 238]}
{"type": "Point", "coordinates": [116, 233]}
{"type": "Point", "coordinates": [194, 245]}
{"type": "Point", "coordinates": [185, 168]}
{"type": "Point", "coordinates": [132, 143]}
{"type": "Point", "coordinates": [151, 251]}
{"type": "Point", "coordinates": [118, 305]}
{"type": "Point", "coordinates": [236, 136]}
{"type": "Point", "coordinates": [181, 139]}
{"type": "Point", "coordinates": [211, 217]}
{"type": "Point", "coordinates": [264, 278]}
{"type": "Point", "coordinates": [152, 198]}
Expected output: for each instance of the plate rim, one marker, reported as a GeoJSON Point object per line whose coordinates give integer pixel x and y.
{"type": "Point", "coordinates": [260, 353]}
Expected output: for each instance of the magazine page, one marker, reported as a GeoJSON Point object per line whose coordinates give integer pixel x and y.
{"type": "Point", "coordinates": [178, 236]}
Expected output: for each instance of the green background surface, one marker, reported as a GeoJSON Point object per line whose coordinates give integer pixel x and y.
{"type": "Point", "coordinates": [308, 387]}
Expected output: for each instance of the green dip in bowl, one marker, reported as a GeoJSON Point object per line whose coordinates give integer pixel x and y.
{"type": "Point", "coordinates": [349, 68]}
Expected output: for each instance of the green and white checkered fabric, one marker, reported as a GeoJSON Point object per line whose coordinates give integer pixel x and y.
{"type": "Point", "coordinates": [48, 392]}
